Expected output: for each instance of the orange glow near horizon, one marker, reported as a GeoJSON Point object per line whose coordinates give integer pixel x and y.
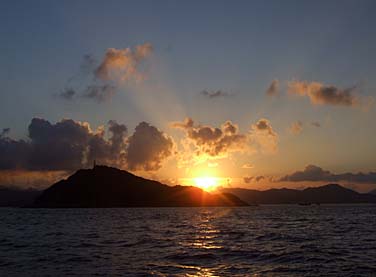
{"type": "Point", "coordinates": [208, 179]}
{"type": "Point", "coordinates": [207, 183]}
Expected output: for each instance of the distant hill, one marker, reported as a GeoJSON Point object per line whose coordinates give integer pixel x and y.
{"type": "Point", "coordinates": [15, 197]}
{"type": "Point", "coordinates": [372, 192]}
{"type": "Point", "coordinates": [105, 186]}
{"type": "Point", "coordinates": [331, 193]}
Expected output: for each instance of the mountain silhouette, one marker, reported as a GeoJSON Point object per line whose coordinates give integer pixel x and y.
{"type": "Point", "coordinates": [331, 193]}
{"type": "Point", "coordinates": [105, 186]}
{"type": "Point", "coordinates": [372, 192]}
{"type": "Point", "coordinates": [17, 197]}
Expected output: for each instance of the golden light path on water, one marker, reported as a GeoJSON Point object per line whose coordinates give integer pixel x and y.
{"type": "Point", "coordinates": [206, 236]}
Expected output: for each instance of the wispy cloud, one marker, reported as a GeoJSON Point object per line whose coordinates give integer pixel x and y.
{"type": "Point", "coordinates": [100, 93]}
{"type": "Point", "coordinates": [264, 136]}
{"type": "Point", "coordinates": [296, 128]}
{"type": "Point", "coordinates": [320, 94]}
{"type": "Point", "coordinates": [273, 89]}
{"type": "Point", "coordinates": [123, 64]}
{"type": "Point", "coordinates": [248, 166]}
{"type": "Point", "coordinates": [215, 94]}
{"type": "Point", "coordinates": [117, 68]}
{"type": "Point", "coordinates": [67, 94]}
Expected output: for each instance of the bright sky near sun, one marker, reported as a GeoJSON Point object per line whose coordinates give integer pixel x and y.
{"type": "Point", "coordinates": [255, 94]}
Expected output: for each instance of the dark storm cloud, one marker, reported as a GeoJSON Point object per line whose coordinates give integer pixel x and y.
{"type": "Point", "coordinates": [214, 94]}
{"type": "Point", "coordinates": [315, 173]}
{"type": "Point", "coordinates": [147, 148]}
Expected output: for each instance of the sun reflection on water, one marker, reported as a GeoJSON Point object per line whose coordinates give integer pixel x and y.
{"type": "Point", "coordinates": [206, 240]}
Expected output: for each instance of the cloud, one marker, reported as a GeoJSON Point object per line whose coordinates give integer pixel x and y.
{"type": "Point", "coordinates": [211, 164]}
{"type": "Point", "coordinates": [273, 89]}
{"type": "Point", "coordinates": [67, 94]}
{"type": "Point", "coordinates": [213, 141]}
{"type": "Point", "coordinates": [59, 146]}
{"type": "Point", "coordinates": [263, 135]}
{"type": "Point", "coordinates": [108, 151]}
{"type": "Point", "coordinates": [69, 145]}
{"type": "Point", "coordinates": [255, 179]}
{"type": "Point", "coordinates": [296, 127]}
{"type": "Point", "coordinates": [4, 132]}
{"type": "Point", "coordinates": [207, 143]}
{"type": "Point", "coordinates": [118, 66]}
{"type": "Point", "coordinates": [320, 94]}
{"type": "Point", "coordinates": [30, 179]}
{"type": "Point", "coordinates": [100, 93]}
{"type": "Point", "coordinates": [148, 147]}
{"type": "Point", "coordinates": [14, 153]}
{"type": "Point", "coordinates": [214, 94]}
{"type": "Point", "coordinates": [123, 64]}
{"type": "Point", "coordinates": [316, 124]}
{"type": "Point", "coordinates": [259, 178]}
{"type": "Point", "coordinates": [315, 173]}
{"type": "Point", "coordinates": [247, 179]}
{"type": "Point", "coordinates": [88, 64]}
{"type": "Point", "coordinates": [248, 166]}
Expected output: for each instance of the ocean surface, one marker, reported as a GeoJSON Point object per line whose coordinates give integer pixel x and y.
{"type": "Point", "coordinates": [326, 240]}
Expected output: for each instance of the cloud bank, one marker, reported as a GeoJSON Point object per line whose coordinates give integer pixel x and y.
{"type": "Point", "coordinates": [316, 173]}
{"type": "Point", "coordinates": [69, 145]}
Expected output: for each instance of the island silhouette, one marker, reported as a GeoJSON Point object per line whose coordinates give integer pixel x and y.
{"type": "Point", "coordinates": [327, 194]}
{"type": "Point", "coordinates": [105, 187]}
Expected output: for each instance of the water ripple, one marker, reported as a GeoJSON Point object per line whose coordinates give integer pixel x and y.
{"type": "Point", "coordinates": [264, 241]}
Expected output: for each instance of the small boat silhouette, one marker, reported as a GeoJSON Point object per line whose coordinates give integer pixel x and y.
{"type": "Point", "coordinates": [305, 204]}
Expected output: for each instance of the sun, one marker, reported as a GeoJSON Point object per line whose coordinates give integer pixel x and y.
{"type": "Point", "coordinates": [206, 183]}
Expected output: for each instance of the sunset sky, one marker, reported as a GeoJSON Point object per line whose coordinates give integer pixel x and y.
{"type": "Point", "coordinates": [256, 94]}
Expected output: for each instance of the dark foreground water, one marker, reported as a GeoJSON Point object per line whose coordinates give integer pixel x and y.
{"type": "Point", "coordinates": [252, 241]}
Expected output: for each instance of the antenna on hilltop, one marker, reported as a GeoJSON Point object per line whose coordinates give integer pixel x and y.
{"type": "Point", "coordinates": [94, 164]}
